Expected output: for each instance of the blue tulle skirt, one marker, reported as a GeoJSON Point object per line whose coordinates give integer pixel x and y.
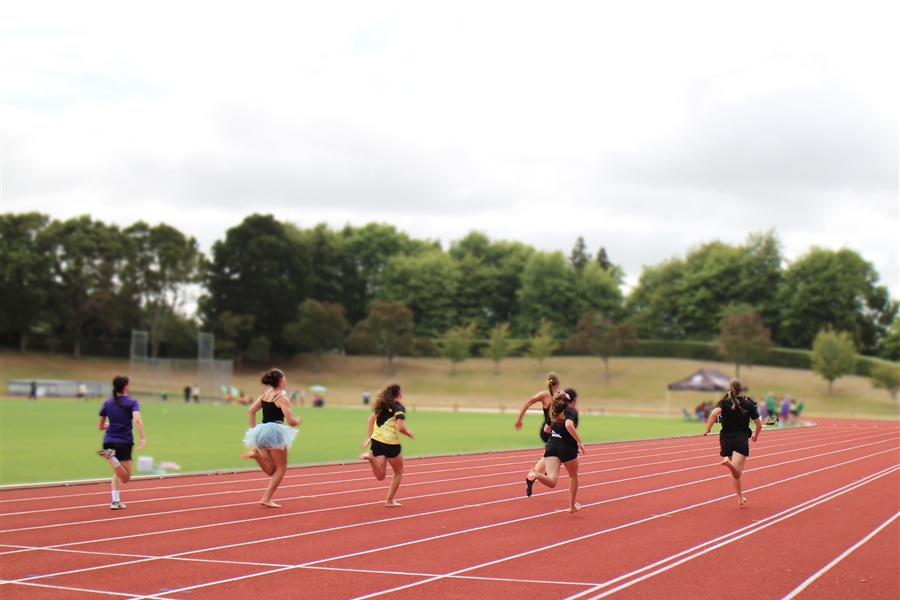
{"type": "Point", "coordinates": [270, 435]}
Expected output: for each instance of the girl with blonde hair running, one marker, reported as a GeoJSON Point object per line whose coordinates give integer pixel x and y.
{"type": "Point", "coordinates": [546, 399]}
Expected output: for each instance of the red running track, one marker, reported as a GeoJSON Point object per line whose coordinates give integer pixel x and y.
{"type": "Point", "coordinates": [659, 519]}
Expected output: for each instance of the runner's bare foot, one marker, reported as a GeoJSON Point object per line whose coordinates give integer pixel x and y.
{"type": "Point", "coordinates": [366, 456]}
{"type": "Point", "coordinates": [249, 454]}
{"type": "Point", "coordinates": [742, 501]}
{"type": "Point", "coordinates": [725, 462]}
{"type": "Point", "coordinates": [270, 504]}
{"type": "Point", "coordinates": [392, 503]}
{"type": "Point", "coordinates": [575, 508]}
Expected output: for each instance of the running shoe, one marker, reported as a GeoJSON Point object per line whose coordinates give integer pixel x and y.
{"type": "Point", "coordinates": [117, 505]}
{"type": "Point", "coordinates": [529, 483]}
{"type": "Point", "coordinates": [106, 453]}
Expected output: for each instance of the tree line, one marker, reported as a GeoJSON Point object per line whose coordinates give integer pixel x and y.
{"type": "Point", "coordinates": [271, 287]}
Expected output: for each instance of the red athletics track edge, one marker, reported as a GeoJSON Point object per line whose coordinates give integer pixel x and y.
{"type": "Point", "coordinates": [659, 516]}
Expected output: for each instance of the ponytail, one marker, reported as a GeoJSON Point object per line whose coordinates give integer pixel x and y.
{"type": "Point", "coordinates": [558, 407]}
{"type": "Point", "coordinates": [734, 394]}
{"type": "Point", "coordinates": [552, 381]}
{"type": "Point", "coordinates": [119, 383]}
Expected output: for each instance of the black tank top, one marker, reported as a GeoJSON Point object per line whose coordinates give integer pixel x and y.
{"type": "Point", "coordinates": [271, 412]}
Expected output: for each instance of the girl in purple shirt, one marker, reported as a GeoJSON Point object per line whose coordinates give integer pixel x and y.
{"type": "Point", "coordinates": [118, 416]}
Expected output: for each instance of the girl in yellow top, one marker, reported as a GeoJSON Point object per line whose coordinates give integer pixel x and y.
{"type": "Point", "coordinates": [388, 420]}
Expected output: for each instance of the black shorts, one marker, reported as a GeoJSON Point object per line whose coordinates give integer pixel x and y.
{"type": "Point", "coordinates": [123, 451]}
{"type": "Point", "coordinates": [564, 452]}
{"type": "Point", "coordinates": [388, 450]}
{"type": "Point", "coordinates": [734, 443]}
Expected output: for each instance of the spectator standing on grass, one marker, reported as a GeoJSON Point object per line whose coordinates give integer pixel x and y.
{"type": "Point", "coordinates": [734, 446]}
{"type": "Point", "coordinates": [546, 399]}
{"type": "Point", "coordinates": [196, 392]}
{"type": "Point", "coordinates": [270, 440]}
{"type": "Point", "coordinates": [763, 412]}
{"type": "Point", "coordinates": [387, 422]}
{"type": "Point", "coordinates": [32, 391]}
{"type": "Point", "coordinates": [119, 416]}
{"type": "Point", "coordinates": [187, 394]}
{"type": "Point", "coordinates": [771, 408]}
{"type": "Point", "coordinates": [784, 411]}
{"type": "Point", "coordinates": [563, 447]}
{"type": "Point", "coordinates": [81, 391]}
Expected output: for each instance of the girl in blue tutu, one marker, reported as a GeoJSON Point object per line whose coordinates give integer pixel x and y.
{"type": "Point", "coordinates": [269, 441]}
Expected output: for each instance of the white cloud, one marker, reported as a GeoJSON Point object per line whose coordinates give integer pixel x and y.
{"type": "Point", "coordinates": [646, 127]}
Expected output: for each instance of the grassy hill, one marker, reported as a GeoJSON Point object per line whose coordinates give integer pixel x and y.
{"type": "Point", "coordinates": [635, 385]}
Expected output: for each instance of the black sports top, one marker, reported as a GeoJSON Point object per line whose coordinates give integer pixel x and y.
{"type": "Point", "coordinates": [271, 412]}
{"type": "Point", "coordinates": [546, 416]}
{"type": "Point", "coordinates": [558, 431]}
{"type": "Point", "coordinates": [734, 422]}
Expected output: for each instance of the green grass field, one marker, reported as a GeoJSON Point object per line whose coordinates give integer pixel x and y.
{"type": "Point", "coordinates": [55, 440]}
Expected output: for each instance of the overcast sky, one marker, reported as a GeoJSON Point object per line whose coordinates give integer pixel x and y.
{"type": "Point", "coordinates": [645, 127]}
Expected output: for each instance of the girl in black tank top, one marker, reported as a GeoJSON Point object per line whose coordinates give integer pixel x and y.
{"type": "Point", "coordinates": [269, 441]}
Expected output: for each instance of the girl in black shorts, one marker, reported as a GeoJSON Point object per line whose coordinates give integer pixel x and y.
{"type": "Point", "coordinates": [734, 447]}
{"type": "Point", "coordinates": [388, 420]}
{"type": "Point", "coordinates": [563, 447]}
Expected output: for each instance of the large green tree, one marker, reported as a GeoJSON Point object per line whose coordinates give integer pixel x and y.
{"type": "Point", "coordinates": [320, 327]}
{"type": "Point", "coordinates": [388, 331]}
{"type": "Point", "coordinates": [548, 292]}
{"type": "Point", "coordinates": [837, 289]}
{"type": "Point", "coordinates": [26, 276]}
{"type": "Point", "coordinates": [89, 262]}
{"type": "Point", "coordinates": [364, 251]}
{"type": "Point", "coordinates": [491, 274]}
{"type": "Point", "coordinates": [261, 270]}
{"type": "Point", "coordinates": [744, 339]}
{"type": "Point", "coordinates": [427, 283]}
{"type": "Point", "coordinates": [162, 263]}
{"type": "Point", "coordinates": [686, 299]}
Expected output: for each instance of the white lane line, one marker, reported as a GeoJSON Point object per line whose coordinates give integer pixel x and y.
{"type": "Point", "coordinates": [843, 555]}
{"type": "Point", "coordinates": [550, 547]}
{"type": "Point", "coordinates": [460, 532]}
{"type": "Point", "coordinates": [713, 544]}
{"type": "Point", "coordinates": [493, 475]}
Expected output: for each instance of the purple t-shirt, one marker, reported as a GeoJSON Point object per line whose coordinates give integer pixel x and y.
{"type": "Point", "coordinates": [120, 427]}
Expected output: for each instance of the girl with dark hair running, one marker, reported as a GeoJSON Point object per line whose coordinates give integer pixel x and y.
{"type": "Point", "coordinates": [387, 421]}
{"type": "Point", "coordinates": [270, 440]}
{"type": "Point", "coordinates": [546, 399]}
{"type": "Point", "coordinates": [118, 416]}
{"type": "Point", "coordinates": [563, 447]}
{"type": "Point", "coordinates": [737, 411]}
